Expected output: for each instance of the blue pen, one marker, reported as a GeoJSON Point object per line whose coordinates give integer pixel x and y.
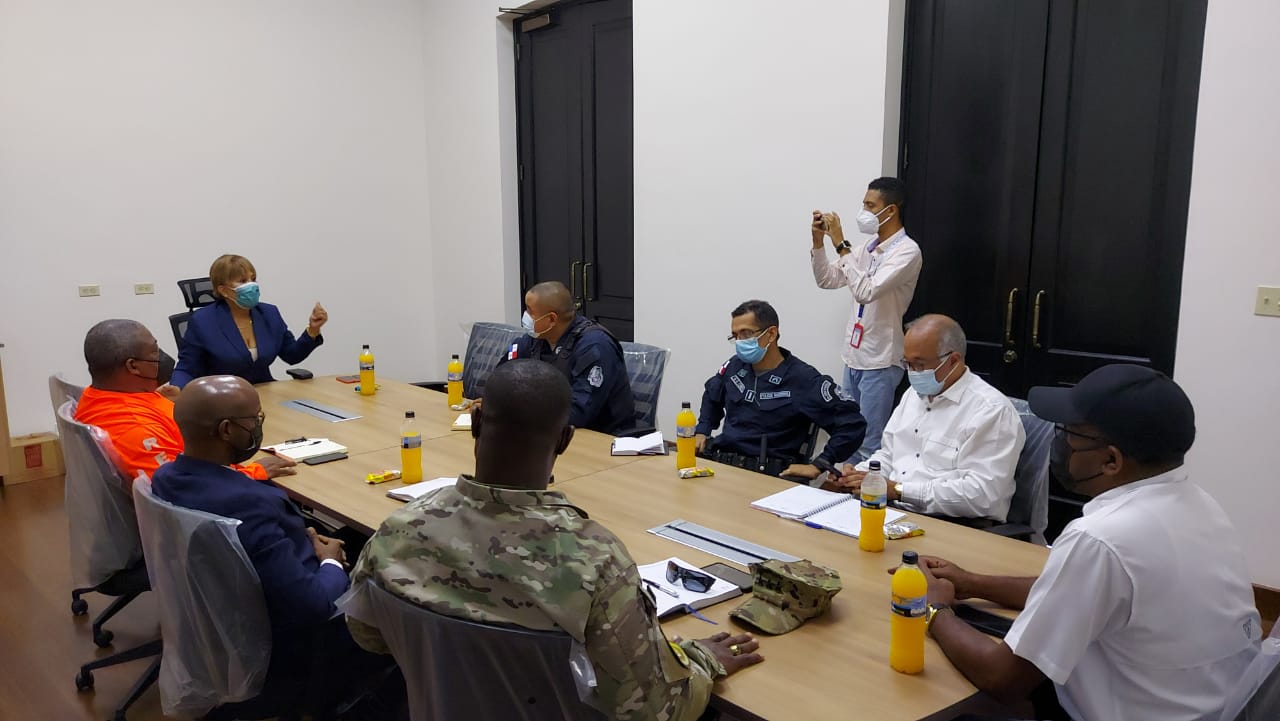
{"type": "Point", "coordinates": [811, 524]}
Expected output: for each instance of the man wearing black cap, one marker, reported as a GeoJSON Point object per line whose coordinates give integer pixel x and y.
{"type": "Point", "coordinates": [1144, 609]}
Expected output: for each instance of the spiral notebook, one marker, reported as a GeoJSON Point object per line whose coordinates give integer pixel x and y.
{"type": "Point", "coordinates": [839, 512]}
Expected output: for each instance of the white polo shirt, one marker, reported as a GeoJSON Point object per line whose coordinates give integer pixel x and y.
{"type": "Point", "coordinates": [882, 278]}
{"type": "Point", "coordinates": [1144, 609]}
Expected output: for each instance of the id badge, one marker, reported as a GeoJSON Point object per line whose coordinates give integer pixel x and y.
{"type": "Point", "coordinates": [855, 339]}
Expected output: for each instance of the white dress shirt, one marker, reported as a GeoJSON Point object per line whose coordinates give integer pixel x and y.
{"type": "Point", "coordinates": [954, 455]}
{"type": "Point", "coordinates": [883, 280]}
{"type": "Point", "coordinates": [1144, 609]}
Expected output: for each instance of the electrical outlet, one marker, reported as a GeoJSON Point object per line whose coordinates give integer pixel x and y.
{"type": "Point", "coordinates": [144, 288]}
{"type": "Point", "coordinates": [1268, 302]}
{"type": "Point", "coordinates": [91, 290]}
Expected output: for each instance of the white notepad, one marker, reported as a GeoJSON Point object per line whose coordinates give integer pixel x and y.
{"type": "Point", "coordinates": [650, 445]}
{"type": "Point", "coordinates": [839, 512]}
{"type": "Point", "coordinates": [306, 448]}
{"type": "Point", "coordinates": [414, 491]}
{"type": "Point", "coordinates": [721, 590]}
{"type": "Point", "coordinates": [461, 423]}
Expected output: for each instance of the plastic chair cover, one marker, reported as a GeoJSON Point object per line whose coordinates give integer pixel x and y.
{"type": "Point", "coordinates": [460, 669]}
{"type": "Point", "coordinates": [486, 345]}
{"type": "Point", "coordinates": [1257, 696]}
{"type": "Point", "coordinates": [645, 364]}
{"type": "Point", "coordinates": [213, 618]}
{"type": "Point", "coordinates": [100, 521]}
{"type": "Point", "coordinates": [62, 390]}
{"type": "Point", "coordinates": [1030, 505]}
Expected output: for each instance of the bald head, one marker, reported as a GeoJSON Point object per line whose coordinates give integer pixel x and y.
{"type": "Point", "coordinates": [550, 297]}
{"type": "Point", "coordinates": [206, 402]}
{"type": "Point", "coordinates": [111, 343]}
{"type": "Point", "coordinates": [937, 335]}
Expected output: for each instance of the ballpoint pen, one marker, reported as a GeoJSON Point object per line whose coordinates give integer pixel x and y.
{"type": "Point", "coordinates": [658, 586]}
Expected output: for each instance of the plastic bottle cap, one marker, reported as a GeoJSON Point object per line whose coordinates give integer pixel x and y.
{"type": "Point", "coordinates": [685, 405]}
{"type": "Point", "coordinates": [874, 465]}
{"type": "Point", "coordinates": [455, 356]}
{"type": "Point", "coordinates": [910, 557]}
{"type": "Point", "coordinates": [365, 346]}
{"type": "Point", "coordinates": [408, 414]}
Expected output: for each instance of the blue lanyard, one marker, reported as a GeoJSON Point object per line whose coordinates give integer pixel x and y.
{"type": "Point", "coordinates": [875, 262]}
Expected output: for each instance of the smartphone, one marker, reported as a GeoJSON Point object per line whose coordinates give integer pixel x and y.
{"type": "Point", "coordinates": [988, 623]}
{"type": "Point", "coordinates": [348, 379]}
{"type": "Point", "coordinates": [725, 572]}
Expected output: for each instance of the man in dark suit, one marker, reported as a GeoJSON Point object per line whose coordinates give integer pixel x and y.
{"type": "Point", "coordinates": [302, 572]}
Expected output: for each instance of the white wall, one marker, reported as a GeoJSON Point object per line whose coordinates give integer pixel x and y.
{"type": "Point", "coordinates": [748, 115]}
{"type": "Point", "coordinates": [471, 143]}
{"type": "Point", "coordinates": [1227, 357]}
{"type": "Point", "coordinates": [140, 139]}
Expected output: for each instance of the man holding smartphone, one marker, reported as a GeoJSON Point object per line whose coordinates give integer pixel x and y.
{"type": "Point", "coordinates": [881, 276]}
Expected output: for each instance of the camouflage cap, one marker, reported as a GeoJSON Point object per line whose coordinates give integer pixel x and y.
{"type": "Point", "coordinates": [786, 594]}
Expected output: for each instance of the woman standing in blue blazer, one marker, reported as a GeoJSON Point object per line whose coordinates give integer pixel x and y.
{"type": "Point", "coordinates": [239, 336]}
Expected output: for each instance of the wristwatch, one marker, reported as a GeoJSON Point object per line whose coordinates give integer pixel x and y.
{"type": "Point", "coordinates": [897, 488]}
{"type": "Point", "coordinates": [843, 246]}
{"type": "Point", "coordinates": [932, 612]}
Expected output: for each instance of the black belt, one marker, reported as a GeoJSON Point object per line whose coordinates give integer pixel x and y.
{"type": "Point", "coordinates": [769, 466]}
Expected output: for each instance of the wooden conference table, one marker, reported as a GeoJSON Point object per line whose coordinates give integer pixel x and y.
{"type": "Point", "coordinates": [834, 667]}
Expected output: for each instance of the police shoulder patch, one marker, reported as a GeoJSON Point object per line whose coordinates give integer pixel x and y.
{"type": "Point", "coordinates": [595, 376]}
{"type": "Point", "coordinates": [723, 367]}
{"type": "Point", "coordinates": [826, 391]}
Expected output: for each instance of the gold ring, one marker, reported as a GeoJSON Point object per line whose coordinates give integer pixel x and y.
{"type": "Point", "coordinates": [735, 650]}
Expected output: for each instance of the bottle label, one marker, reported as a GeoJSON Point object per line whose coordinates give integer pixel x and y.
{"type": "Point", "coordinates": [366, 366]}
{"type": "Point", "coordinates": [875, 502]}
{"type": "Point", "coordinates": [686, 431]}
{"type": "Point", "coordinates": [411, 441]}
{"type": "Point", "coordinates": [455, 377]}
{"type": "Point", "coordinates": [911, 606]}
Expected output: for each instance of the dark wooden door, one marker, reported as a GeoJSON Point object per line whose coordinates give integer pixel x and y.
{"type": "Point", "coordinates": [1046, 147]}
{"type": "Point", "coordinates": [574, 94]}
{"type": "Point", "coordinates": [972, 97]}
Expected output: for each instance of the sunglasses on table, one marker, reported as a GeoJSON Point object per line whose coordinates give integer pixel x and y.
{"type": "Point", "coordinates": [695, 581]}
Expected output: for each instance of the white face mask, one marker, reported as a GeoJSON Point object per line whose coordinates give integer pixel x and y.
{"type": "Point", "coordinates": [869, 222]}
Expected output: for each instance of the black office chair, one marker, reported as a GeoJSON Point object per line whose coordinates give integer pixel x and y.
{"type": "Point", "coordinates": [106, 552]}
{"type": "Point", "coordinates": [178, 322]}
{"type": "Point", "coordinates": [453, 663]}
{"type": "Point", "coordinates": [197, 292]}
{"type": "Point", "coordinates": [645, 367]}
{"type": "Point", "coordinates": [485, 345]}
{"type": "Point", "coordinates": [1028, 515]}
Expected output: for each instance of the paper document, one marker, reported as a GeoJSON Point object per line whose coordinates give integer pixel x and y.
{"type": "Point", "coordinates": [839, 512]}
{"type": "Point", "coordinates": [721, 590]}
{"type": "Point", "coordinates": [304, 448]}
{"type": "Point", "coordinates": [650, 445]}
{"type": "Point", "coordinates": [462, 422]}
{"type": "Point", "coordinates": [414, 491]}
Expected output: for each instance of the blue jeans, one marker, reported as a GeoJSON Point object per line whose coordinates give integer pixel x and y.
{"type": "Point", "coordinates": [873, 390]}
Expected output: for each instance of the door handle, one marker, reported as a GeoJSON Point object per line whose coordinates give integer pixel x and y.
{"type": "Point", "coordinates": [1008, 317]}
{"type": "Point", "coordinates": [1035, 322]}
{"type": "Point", "coordinates": [586, 294]}
{"type": "Point", "coordinates": [573, 279]}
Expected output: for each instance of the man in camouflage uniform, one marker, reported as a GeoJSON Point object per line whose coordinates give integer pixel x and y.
{"type": "Point", "coordinates": [500, 548]}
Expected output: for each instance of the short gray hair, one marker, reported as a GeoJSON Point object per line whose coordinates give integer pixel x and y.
{"type": "Point", "coordinates": [951, 338]}
{"type": "Point", "coordinates": [110, 343]}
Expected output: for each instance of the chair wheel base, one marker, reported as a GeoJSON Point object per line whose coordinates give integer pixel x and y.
{"type": "Point", "coordinates": [84, 680]}
{"type": "Point", "coordinates": [103, 638]}
{"type": "Point", "coordinates": [79, 607]}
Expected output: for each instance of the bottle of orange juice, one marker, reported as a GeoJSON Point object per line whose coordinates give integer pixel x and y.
{"type": "Point", "coordinates": [410, 450]}
{"type": "Point", "coordinates": [368, 386]}
{"type": "Point", "coordinates": [875, 496]}
{"type": "Point", "coordinates": [686, 427]}
{"type": "Point", "coordinates": [455, 380]}
{"type": "Point", "coordinates": [907, 625]}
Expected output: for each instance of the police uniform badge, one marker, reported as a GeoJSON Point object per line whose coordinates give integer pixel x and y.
{"type": "Point", "coordinates": [595, 377]}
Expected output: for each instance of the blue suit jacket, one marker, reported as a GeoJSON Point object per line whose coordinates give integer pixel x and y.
{"type": "Point", "coordinates": [213, 346]}
{"type": "Point", "coordinates": [299, 590]}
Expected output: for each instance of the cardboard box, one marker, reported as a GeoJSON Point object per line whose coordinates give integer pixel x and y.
{"type": "Point", "coordinates": [33, 457]}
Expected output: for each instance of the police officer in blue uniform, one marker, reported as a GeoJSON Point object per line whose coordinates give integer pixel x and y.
{"type": "Point", "coordinates": [585, 351]}
{"type": "Point", "coordinates": [769, 399]}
